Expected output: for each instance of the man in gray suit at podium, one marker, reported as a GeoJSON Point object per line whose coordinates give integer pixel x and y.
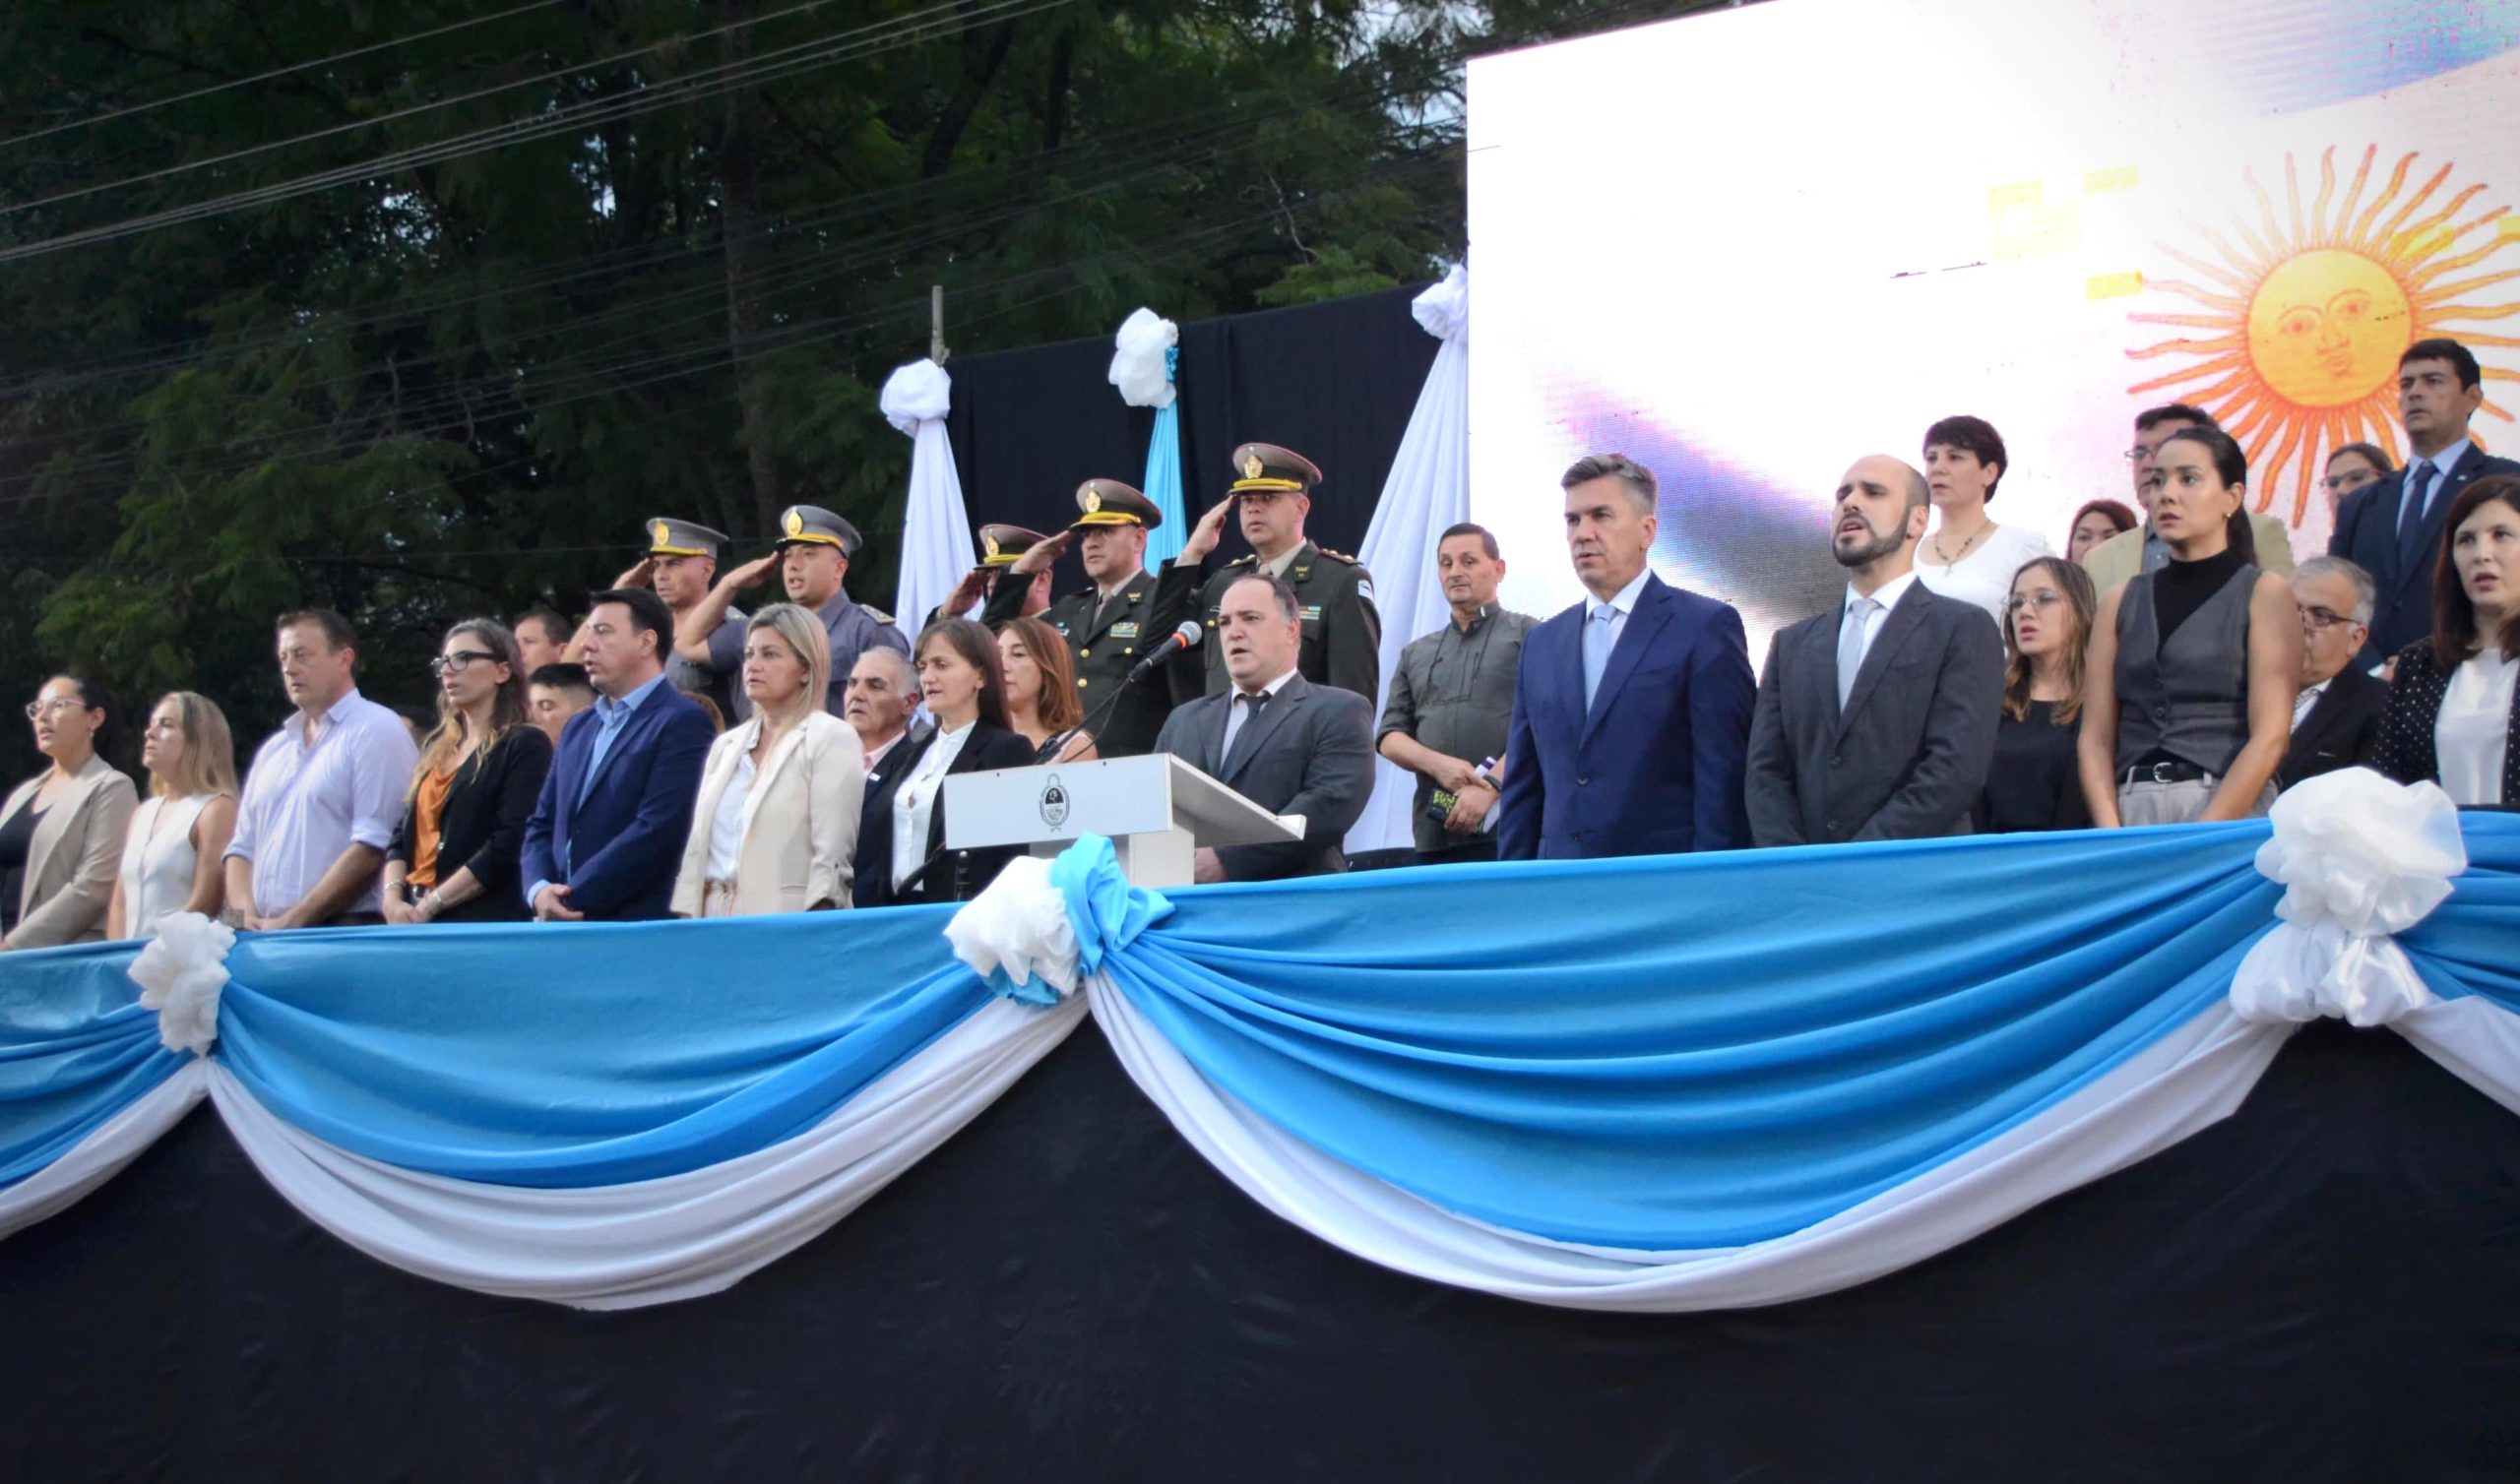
{"type": "Point", "coordinates": [1286, 744]}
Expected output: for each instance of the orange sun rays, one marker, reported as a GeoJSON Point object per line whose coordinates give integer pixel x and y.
{"type": "Point", "coordinates": [2305, 310]}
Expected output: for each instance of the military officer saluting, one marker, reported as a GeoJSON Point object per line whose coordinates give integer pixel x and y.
{"type": "Point", "coordinates": [811, 558]}
{"type": "Point", "coordinates": [680, 566]}
{"type": "Point", "coordinates": [1272, 493]}
{"type": "Point", "coordinates": [1110, 624]}
{"type": "Point", "coordinates": [1001, 547]}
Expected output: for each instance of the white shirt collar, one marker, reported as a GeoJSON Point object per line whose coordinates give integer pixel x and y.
{"type": "Point", "coordinates": [1622, 601]}
{"type": "Point", "coordinates": [2443, 462]}
{"type": "Point", "coordinates": [1888, 594]}
{"type": "Point", "coordinates": [1274, 685]}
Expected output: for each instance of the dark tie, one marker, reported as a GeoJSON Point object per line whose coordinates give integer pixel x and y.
{"type": "Point", "coordinates": [2411, 553]}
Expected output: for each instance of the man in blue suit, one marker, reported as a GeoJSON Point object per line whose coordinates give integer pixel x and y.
{"type": "Point", "coordinates": [2391, 527]}
{"type": "Point", "coordinates": [606, 836]}
{"type": "Point", "coordinates": [1632, 708]}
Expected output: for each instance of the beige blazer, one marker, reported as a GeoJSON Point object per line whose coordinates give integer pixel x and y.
{"type": "Point", "coordinates": [2122, 556]}
{"type": "Point", "coordinates": [74, 858]}
{"type": "Point", "coordinates": [800, 820]}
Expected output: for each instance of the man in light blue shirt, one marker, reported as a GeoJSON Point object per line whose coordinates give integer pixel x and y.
{"type": "Point", "coordinates": [324, 794]}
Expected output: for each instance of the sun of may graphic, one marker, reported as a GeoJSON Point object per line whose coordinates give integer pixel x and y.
{"type": "Point", "coordinates": [2306, 313]}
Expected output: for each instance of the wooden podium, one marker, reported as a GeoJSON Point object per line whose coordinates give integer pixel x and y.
{"type": "Point", "coordinates": [1156, 809]}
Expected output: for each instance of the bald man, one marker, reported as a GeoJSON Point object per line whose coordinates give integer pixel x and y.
{"type": "Point", "coordinates": [1875, 720]}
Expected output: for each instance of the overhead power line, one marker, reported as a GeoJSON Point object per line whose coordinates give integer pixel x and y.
{"type": "Point", "coordinates": [278, 72]}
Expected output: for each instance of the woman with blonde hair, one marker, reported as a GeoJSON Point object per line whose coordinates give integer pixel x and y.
{"type": "Point", "coordinates": [2036, 782]}
{"type": "Point", "coordinates": [454, 854]}
{"type": "Point", "coordinates": [1041, 704]}
{"type": "Point", "coordinates": [774, 828]}
{"type": "Point", "coordinates": [170, 859]}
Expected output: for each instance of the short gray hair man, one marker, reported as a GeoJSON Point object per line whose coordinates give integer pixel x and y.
{"type": "Point", "coordinates": [1634, 478]}
{"type": "Point", "coordinates": [2366, 591]}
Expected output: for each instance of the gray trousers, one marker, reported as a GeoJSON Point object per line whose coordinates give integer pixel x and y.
{"type": "Point", "coordinates": [2150, 803]}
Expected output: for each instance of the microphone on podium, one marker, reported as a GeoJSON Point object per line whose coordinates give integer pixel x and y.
{"type": "Point", "coordinates": [1186, 637]}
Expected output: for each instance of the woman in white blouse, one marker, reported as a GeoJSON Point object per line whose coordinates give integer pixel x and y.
{"type": "Point", "coordinates": [170, 860]}
{"type": "Point", "coordinates": [775, 828]}
{"type": "Point", "coordinates": [901, 852]}
{"type": "Point", "coordinates": [2454, 710]}
{"type": "Point", "coordinates": [1967, 555]}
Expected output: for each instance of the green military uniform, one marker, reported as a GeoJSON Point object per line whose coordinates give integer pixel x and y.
{"type": "Point", "coordinates": [1106, 640]}
{"type": "Point", "coordinates": [1334, 594]}
{"type": "Point", "coordinates": [1001, 547]}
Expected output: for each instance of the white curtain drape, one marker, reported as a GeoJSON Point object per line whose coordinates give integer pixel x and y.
{"type": "Point", "coordinates": [100, 1156]}
{"type": "Point", "coordinates": [2191, 1079]}
{"type": "Point", "coordinates": [653, 1241]}
{"type": "Point", "coordinates": [936, 534]}
{"type": "Point", "coordinates": [1427, 491]}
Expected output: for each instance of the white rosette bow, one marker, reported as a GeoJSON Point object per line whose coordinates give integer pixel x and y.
{"type": "Point", "coordinates": [2360, 859]}
{"type": "Point", "coordinates": [1138, 365]}
{"type": "Point", "coordinates": [180, 973]}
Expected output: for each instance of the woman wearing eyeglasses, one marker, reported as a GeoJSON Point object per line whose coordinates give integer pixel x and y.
{"type": "Point", "coordinates": [2036, 782]}
{"type": "Point", "coordinates": [61, 832]}
{"type": "Point", "coordinates": [454, 856]}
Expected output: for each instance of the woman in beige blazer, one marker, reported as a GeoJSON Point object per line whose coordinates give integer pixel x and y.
{"type": "Point", "coordinates": [62, 830]}
{"type": "Point", "coordinates": [774, 828]}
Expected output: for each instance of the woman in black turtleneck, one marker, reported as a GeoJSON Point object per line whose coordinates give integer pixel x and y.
{"type": "Point", "coordinates": [2191, 673]}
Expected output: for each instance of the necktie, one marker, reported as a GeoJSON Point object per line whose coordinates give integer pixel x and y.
{"type": "Point", "coordinates": [2411, 502]}
{"type": "Point", "coordinates": [1596, 649]}
{"type": "Point", "coordinates": [1246, 707]}
{"type": "Point", "coordinates": [1851, 646]}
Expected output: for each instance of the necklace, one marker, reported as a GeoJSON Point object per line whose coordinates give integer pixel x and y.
{"type": "Point", "coordinates": [1947, 557]}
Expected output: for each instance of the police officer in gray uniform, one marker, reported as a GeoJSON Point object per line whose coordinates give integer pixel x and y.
{"type": "Point", "coordinates": [1119, 616]}
{"type": "Point", "coordinates": [1270, 494]}
{"type": "Point", "coordinates": [812, 558]}
{"type": "Point", "coordinates": [682, 566]}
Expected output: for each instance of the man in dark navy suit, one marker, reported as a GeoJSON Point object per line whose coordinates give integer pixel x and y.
{"type": "Point", "coordinates": [2391, 527]}
{"type": "Point", "coordinates": [1631, 709]}
{"type": "Point", "coordinates": [606, 836]}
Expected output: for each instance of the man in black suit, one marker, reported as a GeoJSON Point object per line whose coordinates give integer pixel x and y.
{"type": "Point", "coordinates": [1274, 737]}
{"type": "Point", "coordinates": [2391, 527]}
{"type": "Point", "coordinates": [1876, 719]}
{"type": "Point", "coordinates": [2336, 717]}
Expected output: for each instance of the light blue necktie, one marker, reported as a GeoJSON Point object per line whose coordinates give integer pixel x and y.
{"type": "Point", "coordinates": [1597, 651]}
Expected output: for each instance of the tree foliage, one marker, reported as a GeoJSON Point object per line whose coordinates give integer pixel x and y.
{"type": "Point", "coordinates": [450, 384]}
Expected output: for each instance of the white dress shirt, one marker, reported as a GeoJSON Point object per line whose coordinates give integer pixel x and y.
{"type": "Point", "coordinates": [2474, 728]}
{"type": "Point", "coordinates": [914, 802]}
{"type": "Point", "coordinates": [1886, 598]}
{"type": "Point", "coordinates": [1236, 713]}
{"type": "Point", "coordinates": [726, 826]}
{"type": "Point", "coordinates": [306, 802]}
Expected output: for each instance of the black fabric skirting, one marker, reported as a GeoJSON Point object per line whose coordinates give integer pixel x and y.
{"type": "Point", "coordinates": [2326, 1287]}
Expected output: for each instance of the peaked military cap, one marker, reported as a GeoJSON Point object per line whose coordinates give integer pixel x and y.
{"type": "Point", "coordinates": [1267, 467]}
{"type": "Point", "coordinates": [1109, 502]}
{"type": "Point", "coordinates": [1003, 545]}
{"type": "Point", "coordinates": [668, 536]}
{"type": "Point", "coordinates": [813, 526]}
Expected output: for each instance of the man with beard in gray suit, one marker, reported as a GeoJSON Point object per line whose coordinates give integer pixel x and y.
{"type": "Point", "coordinates": [1876, 719]}
{"type": "Point", "coordinates": [1274, 737]}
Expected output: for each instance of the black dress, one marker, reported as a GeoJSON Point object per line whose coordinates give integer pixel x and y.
{"type": "Point", "coordinates": [2036, 782]}
{"type": "Point", "coordinates": [16, 841]}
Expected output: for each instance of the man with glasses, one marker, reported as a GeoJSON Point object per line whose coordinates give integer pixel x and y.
{"type": "Point", "coordinates": [324, 794]}
{"type": "Point", "coordinates": [2122, 556]}
{"type": "Point", "coordinates": [2336, 717]}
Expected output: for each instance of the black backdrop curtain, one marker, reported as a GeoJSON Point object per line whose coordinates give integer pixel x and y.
{"type": "Point", "coordinates": [2325, 1286]}
{"type": "Point", "coordinates": [1334, 381]}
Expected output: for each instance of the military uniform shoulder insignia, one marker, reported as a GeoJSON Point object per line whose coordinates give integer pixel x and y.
{"type": "Point", "coordinates": [875, 614]}
{"type": "Point", "coordinates": [1247, 559]}
{"type": "Point", "coordinates": [1339, 556]}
